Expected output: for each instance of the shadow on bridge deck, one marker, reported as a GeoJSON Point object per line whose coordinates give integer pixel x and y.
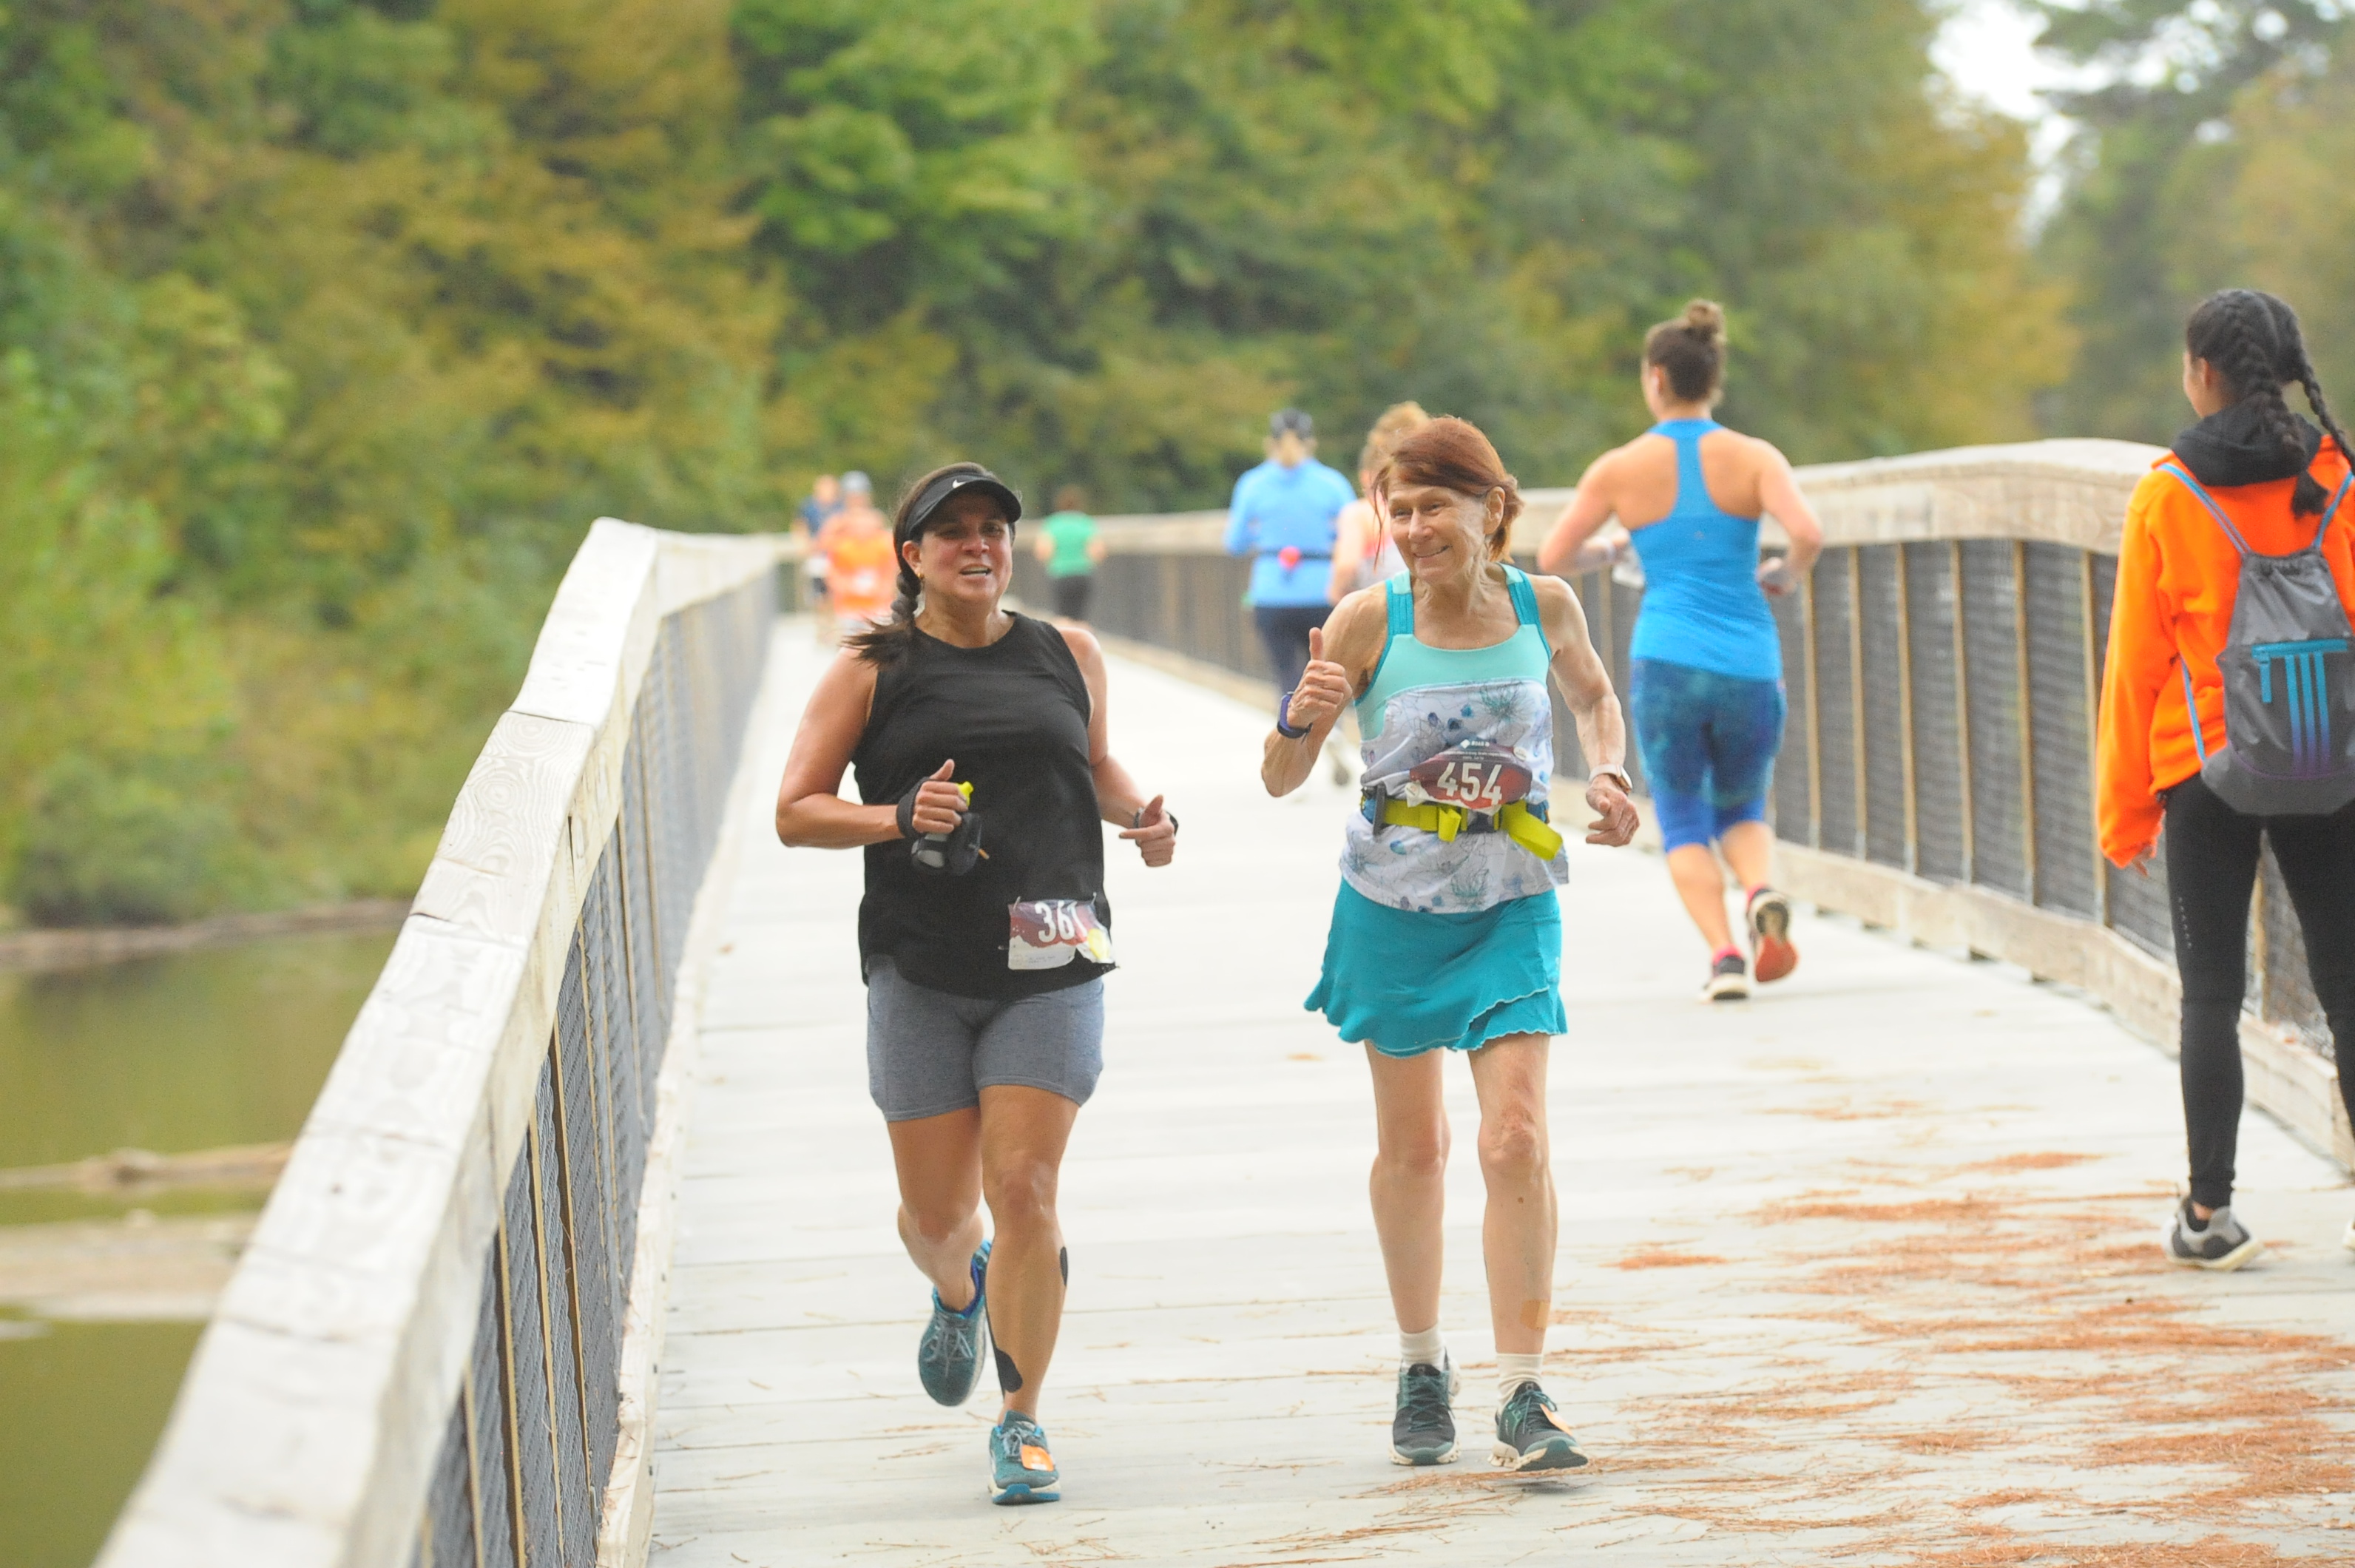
{"type": "Point", "coordinates": [1863, 1271]}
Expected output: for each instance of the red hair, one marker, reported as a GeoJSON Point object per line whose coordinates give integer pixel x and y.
{"type": "Point", "coordinates": [1453, 455]}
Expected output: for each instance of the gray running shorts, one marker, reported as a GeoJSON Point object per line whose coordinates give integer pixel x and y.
{"type": "Point", "coordinates": [929, 1053]}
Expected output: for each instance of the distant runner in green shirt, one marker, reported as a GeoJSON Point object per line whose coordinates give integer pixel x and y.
{"type": "Point", "coordinates": [1069, 544]}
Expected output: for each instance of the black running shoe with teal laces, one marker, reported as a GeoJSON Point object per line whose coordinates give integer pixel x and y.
{"type": "Point", "coordinates": [1530, 1436]}
{"type": "Point", "coordinates": [948, 1357]}
{"type": "Point", "coordinates": [1022, 1471]}
{"type": "Point", "coordinates": [1423, 1431]}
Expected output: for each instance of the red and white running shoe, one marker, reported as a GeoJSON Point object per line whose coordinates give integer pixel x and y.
{"type": "Point", "coordinates": [1772, 954]}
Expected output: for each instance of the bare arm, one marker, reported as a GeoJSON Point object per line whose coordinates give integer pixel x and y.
{"type": "Point", "coordinates": [1779, 498]}
{"type": "Point", "coordinates": [1570, 548]}
{"type": "Point", "coordinates": [1341, 657]}
{"type": "Point", "coordinates": [1045, 548]}
{"type": "Point", "coordinates": [811, 812]}
{"type": "Point", "coordinates": [1145, 823]}
{"type": "Point", "coordinates": [1585, 684]}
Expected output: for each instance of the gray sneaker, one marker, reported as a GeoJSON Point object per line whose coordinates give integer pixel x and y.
{"type": "Point", "coordinates": [2224, 1243]}
{"type": "Point", "coordinates": [948, 1359]}
{"type": "Point", "coordinates": [1530, 1436]}
{"type": "Point", "coordinates": [1423, 1431]}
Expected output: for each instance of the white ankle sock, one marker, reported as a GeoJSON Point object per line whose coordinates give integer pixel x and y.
{"type": "Point", "coordinates": [1512, 1371]}
{"type": "Point", "coordinates": [1426, 1348]}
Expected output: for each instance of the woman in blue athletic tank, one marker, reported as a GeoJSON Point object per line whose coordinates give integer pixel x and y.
{"type": "Point", "coordinates": [1705, 689]}
{"type": "Point", "coordinates": [1447, 935]}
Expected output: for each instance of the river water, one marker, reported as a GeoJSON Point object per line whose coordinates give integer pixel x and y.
{"type": "Point", "coordinates": [191, 1050]}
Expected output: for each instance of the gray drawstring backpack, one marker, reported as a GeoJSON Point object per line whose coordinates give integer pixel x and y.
{"type": "Point", "coordinates": [2288, 663]}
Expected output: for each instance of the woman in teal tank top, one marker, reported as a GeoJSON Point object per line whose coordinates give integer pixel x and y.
{"type": "Point", "coordinates": [1446, 933]}
{"type": "Point", "coordinates": [1705, 686]}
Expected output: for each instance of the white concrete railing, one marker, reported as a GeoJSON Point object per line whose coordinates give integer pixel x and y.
{"type": "Point", "coordinates": [2063, 492]}
{"type": "Point", "coordinates": [442, 1192]}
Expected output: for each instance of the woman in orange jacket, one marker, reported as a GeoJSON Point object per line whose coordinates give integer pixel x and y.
{"type": "Point", "coordinates": [2272, 476]}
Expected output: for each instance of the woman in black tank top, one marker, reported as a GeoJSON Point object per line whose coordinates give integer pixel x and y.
{"type": "Point", "coordinates": [978, 741]}
{"type": "Point", "coordinates": [1014, 717]}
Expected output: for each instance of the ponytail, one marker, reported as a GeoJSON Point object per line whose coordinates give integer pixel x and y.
{"type": "Point", "coordinates": [2254, 341]}
{"type": "Point", "coordinates": [888, 643]}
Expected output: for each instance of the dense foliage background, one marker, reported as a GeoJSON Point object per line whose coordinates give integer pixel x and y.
{"type": "Point", "coordinates": [2219, 155]}
{"type": "Point", "coordinates": [326, 325]}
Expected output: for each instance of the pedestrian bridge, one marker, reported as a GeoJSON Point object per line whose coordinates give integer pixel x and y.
{"type": "Point", "coordinates": [586, 1254]}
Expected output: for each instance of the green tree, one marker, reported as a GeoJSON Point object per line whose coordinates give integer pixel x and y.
{"type": "Point", "coordinates": [2142, 233]}
{"type": "Point", "coordinates": [328, 326]}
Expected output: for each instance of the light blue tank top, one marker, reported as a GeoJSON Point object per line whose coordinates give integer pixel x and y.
{"type": "Point", "coordinates": [1408, 662]}
{"type": "Point", "coordinates": [1703, 604]}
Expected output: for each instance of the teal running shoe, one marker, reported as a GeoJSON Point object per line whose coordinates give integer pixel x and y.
{"type": "Point", "coordinates": [1022, 1471]}
{"type": "Point", "coordinates": [1530, 1436]}
{"type": "Point", "coordinates": [948, 1360]}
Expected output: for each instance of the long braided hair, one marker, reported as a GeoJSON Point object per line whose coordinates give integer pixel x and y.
{"type": "Point", "coordinates": [2254, 341]}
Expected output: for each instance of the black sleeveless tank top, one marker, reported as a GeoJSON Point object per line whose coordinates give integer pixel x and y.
{"type": "Point", "coordinates": [1014, 716]}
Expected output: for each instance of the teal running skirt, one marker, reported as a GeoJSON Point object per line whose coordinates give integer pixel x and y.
{"type": "Point", "coordinates": [1410, 982]}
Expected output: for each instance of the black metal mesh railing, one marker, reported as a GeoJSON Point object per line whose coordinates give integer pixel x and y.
{"type": "Point", "coordinates": [521, 1476]}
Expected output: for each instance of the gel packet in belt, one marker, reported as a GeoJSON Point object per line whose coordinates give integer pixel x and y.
{"type": "Point", "coordinates": [1047, 934]}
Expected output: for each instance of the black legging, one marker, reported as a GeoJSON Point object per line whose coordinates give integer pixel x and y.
{"type": "Point", "coordinates": [2211, 864]}
{"type": "Point", "coordinates": [1284, 629]}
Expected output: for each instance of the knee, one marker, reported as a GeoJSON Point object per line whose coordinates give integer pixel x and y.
{"type": "Point", "coordinates": [1419, 1156]}
{"type": "Point", "coordinates": [1021, 1192]}
{"type": "Point", "coordinates": [1513, 1148]}
{"type": "Point", "coordinates": [935, 1224]}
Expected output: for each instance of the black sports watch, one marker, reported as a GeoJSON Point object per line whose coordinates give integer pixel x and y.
{"type": "Point", "coordinates": [1284, 716]}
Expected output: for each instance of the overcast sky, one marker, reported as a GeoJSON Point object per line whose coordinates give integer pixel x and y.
{"type": "Point", "coordinates": [1985, 49]}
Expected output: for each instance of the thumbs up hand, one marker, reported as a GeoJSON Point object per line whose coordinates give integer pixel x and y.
{"type": "Point", "coordinates": [1324, 689]}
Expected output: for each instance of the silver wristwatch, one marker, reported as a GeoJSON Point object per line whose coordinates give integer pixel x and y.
{"type": "Point", "coordinates": [1626, 784]}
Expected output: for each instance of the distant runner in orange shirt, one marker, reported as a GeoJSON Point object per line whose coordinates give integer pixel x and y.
{"type": "Point", "coordinates": [861, 568]}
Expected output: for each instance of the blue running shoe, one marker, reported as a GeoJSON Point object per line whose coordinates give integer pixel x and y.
{"type": "Point", "coordinates": [948, 1361]}
{"type": "Point", "coordinates": [1020, 1468]}
{"type": "Point", "coordinates": [1530, 1436]}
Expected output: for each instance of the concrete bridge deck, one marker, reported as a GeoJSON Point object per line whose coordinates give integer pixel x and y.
{"type": "Point", "coordinates": [1862, 1272]}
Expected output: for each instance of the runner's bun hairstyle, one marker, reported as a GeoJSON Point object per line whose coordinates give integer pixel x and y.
{"type": "Point", "coordinates": [1397, 422]}
{"type": "Point", "coordinates": [1453, 453]}
{"type": "Point", "coordinates": [1691, 349]}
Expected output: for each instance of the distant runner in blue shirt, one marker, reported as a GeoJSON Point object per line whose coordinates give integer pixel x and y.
{"type": "Point", "coordinates": [1282, 516]}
